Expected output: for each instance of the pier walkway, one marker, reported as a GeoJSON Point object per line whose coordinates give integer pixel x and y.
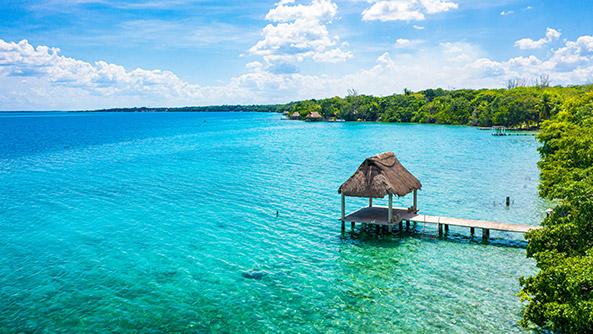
{"type": "Point", "coordinates": [379, 215]}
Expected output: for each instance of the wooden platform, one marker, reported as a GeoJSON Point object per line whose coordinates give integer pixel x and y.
{"type": "Point", "coordinates": [378, 215]}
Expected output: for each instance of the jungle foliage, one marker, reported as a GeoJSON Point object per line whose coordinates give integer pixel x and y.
{"type": "Point", "coordinates": [221, 108]}
{"type": "Point", "coordinates": [560, 296]}
{"type": "Point", "coordinates": [519, 106]}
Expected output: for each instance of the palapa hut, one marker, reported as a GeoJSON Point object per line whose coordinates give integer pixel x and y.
{"type": "Point", "coordinates": [383, 175]}
{"type": "Point", "coordinates": [294, 115]}
{"type": "Point", "coordinates": [379, 176]}
{"type": "Point", "coordinates": [314, 116]}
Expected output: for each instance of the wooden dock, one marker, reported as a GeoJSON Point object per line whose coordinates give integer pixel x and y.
{"type": "Point", "coordinates": [379, 215]}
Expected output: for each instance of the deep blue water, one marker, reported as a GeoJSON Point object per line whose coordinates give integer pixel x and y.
{"type": "Point", "coordinates": [166, 222]}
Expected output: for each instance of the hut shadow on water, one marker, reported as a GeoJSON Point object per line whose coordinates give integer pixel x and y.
{"type": "Point", "coordinates": [377, 237]}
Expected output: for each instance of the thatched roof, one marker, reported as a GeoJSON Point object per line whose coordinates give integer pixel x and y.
{"type": "Point", "coordinates": [378, 176]}
{"type": "Point", "coordinates": [314, 114]}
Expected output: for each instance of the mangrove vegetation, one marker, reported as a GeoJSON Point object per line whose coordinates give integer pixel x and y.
{"type": "Point", "coordinates": [517, 106]}
{"type": "Point", "coordinates": [560, 296]}
{"type": "Point", "coordinates": [512, 107]}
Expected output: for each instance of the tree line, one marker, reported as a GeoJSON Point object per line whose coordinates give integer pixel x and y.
{"type": "Point", "coordinates": [515, 106]}
{"type": "Point", "coordinates": [219, 108]}
{"type": "Point", "coordinates": [519, 106]}
{"type": "Point", "coordinates": [559, 297]}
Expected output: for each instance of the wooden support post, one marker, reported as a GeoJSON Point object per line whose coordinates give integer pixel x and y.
{"type": "Point", "coordinates": [485, 234]}
{"type": "Point", "coordinates": [370, 201]}
{"type": "Point", "coordinates": [343, 227]}
{"type": "Point", "coordinates": [440, 226]}
{"type": "Point", "coordinates": [352, 225]}
{"type": "Point", "coordinates": [415, 200]}
{"type": "Point", "coordinates": [390, 212]}
{"type": "Point", "coordinates": [472, 231]}
{"type": "Point", "coordinates": [401, 226]}
{"type": "Point", "coordinates": [446, 229]}
{"type": "Point", "coordinates": [390, 229]}
{"type": "Point", "coordinates": [508, 200]}
{"type": "Point", "coordinates": [407, 224]}
{"type": "Point", "coordinates": [343, 206]}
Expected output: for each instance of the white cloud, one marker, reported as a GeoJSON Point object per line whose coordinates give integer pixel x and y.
{"type": "Point", "coordinates": [577, 54]}
{"type": "Point", "coordinates": [332, 56]}
{"type": "Point", "coordinates": [317, 11]}
{"type": "Point", "coordinates": [463, 65]}
{"type": "Point", "coordinates": [418, 27]}
{"type": "Point", "coordinates": [508, 12]}
{"type": "Point", "coordinates": [254, 65]}
{"type": "Point", "coordinates": [527, 43]}
{"type": "Point", "coordinates": [283, 2]}
{"type": "Point", "coordinates": [300, 33]}
{"type": "Point", "coordinates": [525, 62]}
{"type": "Point", "coordinates": [405, 10]}
{"type": "Point", "coordinates": [407, 44]}
{"type": "Point", "coordinates": [41, 78]}
{"type": "Point", "coordinates": [438, 6]}
{"type": "Point", "coordinates": [45, 65]}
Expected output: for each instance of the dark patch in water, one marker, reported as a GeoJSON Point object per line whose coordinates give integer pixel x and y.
{"type": "Point", "coordinates": [169, 273]}
{"type": "Point", "coordinates": [254, 274]}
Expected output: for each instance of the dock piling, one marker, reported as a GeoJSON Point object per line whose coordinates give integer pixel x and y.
{"type": "Point", "coordinates": [343, 206]}
{"type": "Point", "coordinates": [379, 215]}
{"type": "Point", "coordinates": [390, 211]}
{"type": "Point", "coordinates": [485, 234]}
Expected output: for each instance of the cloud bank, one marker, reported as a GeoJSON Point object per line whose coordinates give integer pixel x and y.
{"type": "Point", "coordinates": [39, 77]}
{"type": "Point", "coordinates": [527, 43]}
{"type": "Point", "coordinates": [405, 10]}
{"type": "Point", "coordinates": [300, 32]}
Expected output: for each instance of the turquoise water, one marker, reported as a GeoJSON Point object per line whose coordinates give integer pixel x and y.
{"type": "Point", "coordinates": [166, 222]}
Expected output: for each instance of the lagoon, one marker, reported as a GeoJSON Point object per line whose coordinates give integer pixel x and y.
{"type": "Point", "coordinates": [166, 222]}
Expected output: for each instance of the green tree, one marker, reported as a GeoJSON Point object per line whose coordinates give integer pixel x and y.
{"type": "Point", "coordinates": [560, 296]}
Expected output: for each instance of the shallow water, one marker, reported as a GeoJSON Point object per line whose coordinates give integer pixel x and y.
{"type": "Point", "coordinates": [166, 222]}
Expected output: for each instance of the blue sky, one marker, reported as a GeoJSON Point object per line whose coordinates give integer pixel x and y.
{"type": "Point", "coordinates": [89, 54]}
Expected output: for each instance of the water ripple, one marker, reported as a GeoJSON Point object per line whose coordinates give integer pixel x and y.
{"type": "Point", "coordinates": [208, 222]}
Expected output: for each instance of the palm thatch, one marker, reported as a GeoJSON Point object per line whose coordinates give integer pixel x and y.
{"type": "Point", "coordinates": [378, 176]}
{"type": "Point", "coordinates": [314, 114]}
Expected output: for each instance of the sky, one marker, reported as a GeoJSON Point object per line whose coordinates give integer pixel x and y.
{"type": "Point", "coordinates": [93, 54]}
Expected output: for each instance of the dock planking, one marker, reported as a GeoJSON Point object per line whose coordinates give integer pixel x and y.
{"type": "Point", "coordinates": [383, 175]}
{"type": "Point", "coordinates": [378, 215]}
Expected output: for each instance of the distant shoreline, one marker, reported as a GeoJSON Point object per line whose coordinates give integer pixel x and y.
{"type": "Point", "coordinates": [220, 108]}
{"type": "Point", "coordinates": [248, 108]}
